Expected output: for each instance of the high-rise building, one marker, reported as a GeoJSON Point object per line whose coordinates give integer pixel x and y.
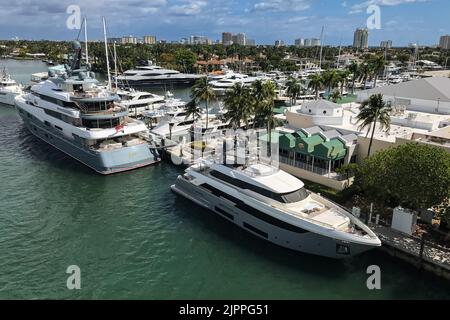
{"type": "Point", "coordinates": [250, 42]}
{"type": "Point", "coordinates": [149, 40]}
{"type": "Point", "coordinates": [114, 40]}
{"type": "Point", "coordinates": [300, 42]}
{"type": "Point", "coordinates": [239, 39]}
{"type": "Point", "coordinates": [279, 43]}
{"type": "Point", "coordinates": [199, 40]}
{"type": "Point", "coordinates": [361, 38]}
{"type": "Point", "coordinates": [227, 38]}
{"type": "Point", "coordinates": [315, 42]}
{"type": "Point", "coordinates": [307, 42]}
{"type": "Point", "coordinates": [444, 42]}
{"type": "Point", "coordinates": [129, 40]}
{"type": "Point", "coordinates": [386, 44]}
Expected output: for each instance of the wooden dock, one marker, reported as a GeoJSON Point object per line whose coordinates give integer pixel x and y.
{"type": "Point", "coordinates": [422, 254]}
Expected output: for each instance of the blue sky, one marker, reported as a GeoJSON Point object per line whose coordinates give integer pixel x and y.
{"type": "Point", "coordinates": [402, 21]}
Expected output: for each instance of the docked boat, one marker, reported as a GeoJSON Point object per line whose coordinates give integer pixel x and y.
{"type": "Point", "coordinates": [138, 102]}
{"type": "Point", "coordinates": [155, 76]}
{"type": "Point", "coordinates": [223, 85]}
{"type": "Point", "coordinates": [9, 89]}
{"type": "Point", "coordinates": [275, 206]}
{"type": "Point", "coordinates": [84, 120]}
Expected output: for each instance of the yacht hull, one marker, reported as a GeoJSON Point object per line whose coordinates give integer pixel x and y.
{"type": "Point", "coordinates": [7, 98]}
{"type": "Point", "coordinates": [298, 240]}
{"type": "Point", "coordinates": [152, 83]}
{"type": "Point", "coordinates": [104, 163]}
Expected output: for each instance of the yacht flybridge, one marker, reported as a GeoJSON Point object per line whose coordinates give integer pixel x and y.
{"type": "Point", "coordinates": [275, 206]}
{"type": "Point", "coordinates": [9, 89]}
{"type": "Point", "coordinates": [152, 75]}
{"type": "Point", "coordinates": [84, 120]}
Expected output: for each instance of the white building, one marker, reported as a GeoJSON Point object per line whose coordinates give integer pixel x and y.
{"type": "Point", "coordinates": [315, 113]}
{"type": "Point", "coordinates": [429, 95]}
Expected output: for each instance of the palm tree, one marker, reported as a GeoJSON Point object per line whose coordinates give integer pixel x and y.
{"type": "Point", "coordinates": [263, 93]}
{"type": "Point", "coordinates": [377, 66]}
{"type": "Point", "coordinates": [365, 72]}
{"type": "Point", "coordinates": [315, 83]}
{"type": "Point", "coordinates": [265, 111]}
{"type": "Point", "coordinates": [354, 68]}
{"type": "Point", "coordinates": [335, 96]}
{"type": "Point", "coordinates": [330, 78]}
{"type": "Point", "coordinates": [373, 111]}
{"type": "Point", "coordinates": [193, 110]}
{"type": "Point", "coordinates": [294, 89]}
{"type": "Point", "coordinates": [343, 79]}
{"type": "Point", "coordinates": [239, 104]}
{"type": "Point", "coordinates": [202, 91]}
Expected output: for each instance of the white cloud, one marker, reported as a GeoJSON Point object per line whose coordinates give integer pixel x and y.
{"type": "Point", "coordinates": [282, 5]}
{"type": "Point", "coordinates": [357, 8]}
{"type": "Point", "coordinates": [192, 7]}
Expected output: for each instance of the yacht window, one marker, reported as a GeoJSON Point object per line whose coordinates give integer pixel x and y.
{"type": "Point", "coordinates": [294, 197]}
{"type": "Point", "coordinates": [145, 97]}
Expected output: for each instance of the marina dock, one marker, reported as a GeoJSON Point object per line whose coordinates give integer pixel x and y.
{"type": "Point", "coordinates": [421, 254]}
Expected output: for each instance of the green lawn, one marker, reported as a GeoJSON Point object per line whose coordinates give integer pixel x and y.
{"type": "Point", "coordinates": [347, 99]}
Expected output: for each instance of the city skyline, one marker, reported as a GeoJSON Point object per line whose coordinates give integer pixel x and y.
{"type": "Point", "coordinates": [402, 21]}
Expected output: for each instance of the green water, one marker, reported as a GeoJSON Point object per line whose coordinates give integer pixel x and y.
{"type": "Point", "coordinates": [134, 239]}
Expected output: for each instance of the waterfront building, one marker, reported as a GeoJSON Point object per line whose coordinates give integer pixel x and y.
{"type": "Point", "coordinates": [300, 42]}
{"type": "Point", "coordinates": [149, 40]}
{"type": "Point", "coordinates": [239, 39]}
{"type": "Point", "coordinates": [315, 42]}
{"type": "Point", "coordinates": [250, 42]}
{"type": "Point", "coordinates": [361, 38]}
{"type": "Point", "coordinates": [129, 40]}
{"type": "Point", "coordinates": [227, 38]}
{"type": "Point", "coordinates": [444, 42]}
{"type": "Point", "coordinates": [200, 40]}
{"type": "Point", "coordinates": [279, 43]}
{"type": "Point", "coordinates": [386, 44]}
{"type": "Point", "coordinates": [114, 40]}
{"type": "Point", "coordinates": [430, 95]}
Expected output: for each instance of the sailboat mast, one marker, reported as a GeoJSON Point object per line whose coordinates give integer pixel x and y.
{"type": "Point", "coordinates": [115, 64]}
{"type": "Point", "coordinates": [321, 47]}
{"type": "Point", "coordinates": [86, 41]}
{"type": "Point", "coordinates": [107, 57]}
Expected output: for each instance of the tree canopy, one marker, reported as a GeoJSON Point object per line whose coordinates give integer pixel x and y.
{"type": "Point", "coordinates": [413, 175]}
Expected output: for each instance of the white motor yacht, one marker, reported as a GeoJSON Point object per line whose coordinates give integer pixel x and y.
{"type": "Point", "coordinates": [9, 89]}
{"type": "Point", "coordinates": [275, 206]}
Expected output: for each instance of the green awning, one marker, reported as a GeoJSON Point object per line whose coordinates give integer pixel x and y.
{"type": "Point", "coordinates": [300, 134]}
{"type": "Point", "coordinates": [330, 150]}
{"type": "Point", "coordinates": [287, 141]}
{"type": "Point", "coordinates": [306, 145]}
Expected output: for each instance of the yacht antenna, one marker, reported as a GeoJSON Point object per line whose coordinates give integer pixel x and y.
{"type": "Point", "coordinates": [86, 41]}
{"type": "Point", "coordinates": [106, 49]}
{"type": "Point", "coordinates": [115, 64]}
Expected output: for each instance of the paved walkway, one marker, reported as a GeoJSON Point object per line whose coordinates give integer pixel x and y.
{"type": "Point", "coordinates": [432, 253]}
